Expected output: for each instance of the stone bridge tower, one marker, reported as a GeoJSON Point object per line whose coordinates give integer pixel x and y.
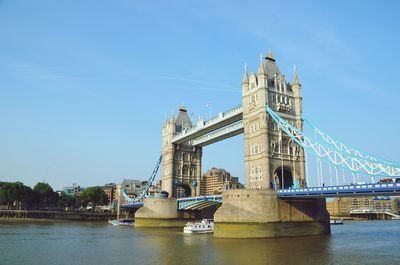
{"type": "Point", "coordinates": [272, 160]}
{"type": "Point", "coordinates": [181, 163]}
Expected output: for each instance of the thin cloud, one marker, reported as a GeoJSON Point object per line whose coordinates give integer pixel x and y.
{"type": "Point", "coordinates": [32, 66]}
{"type": "Point", "coordinates": [35, 71]}
{"type": "Point", "coordinates": [47, 76]}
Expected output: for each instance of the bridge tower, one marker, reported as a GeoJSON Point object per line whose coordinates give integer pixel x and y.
{"type": "Point", "coordinates": [181, 164]}
{"type": "Point", "coordinates": [272, 160]}
{"type": "Point", "coordinates": [180, 174]}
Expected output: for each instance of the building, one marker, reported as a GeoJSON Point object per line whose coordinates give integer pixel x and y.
{"type": "Point", "coordinates": [110, 189]}
{"type": "Point", "coordinates": [72, 190]}
{"type": "Point", "coordinates": [133, 187]}
{"type": "Point", "coordinates": [216, 180]}
{"type": "Point", "coordinates": [343, 206]}
{"type": "Point", "coordinates": [155, 190]}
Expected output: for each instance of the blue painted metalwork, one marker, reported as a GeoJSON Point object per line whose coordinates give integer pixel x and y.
{"type": "Point", "coordinates": [146, 188]}
{"type": "Point", "coordinates": [338, 145]}
{"type": "Point", "coordinates": [336, 153]}
{"type": "Point", "coordinates": [369, 189]}
{"type": "Point", "coordinates": [378, 189]}
{"type": "Point", "coordinates": [132, 205]}
{"type": "Point", "coordinates": [191, 202]}
{"type": "Point", "coordinates": [324, 147]}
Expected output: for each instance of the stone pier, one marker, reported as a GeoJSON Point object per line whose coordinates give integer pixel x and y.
{"type": "Point", "coordinates": [159, 213]}
{"type": "Point", "coordinates": [261, 214]}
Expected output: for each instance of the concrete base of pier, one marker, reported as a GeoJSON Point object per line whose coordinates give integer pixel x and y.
{"type": "Point", "coordinates": [159, 213]}
{"type": "Point", "coordinates": [261, 214]}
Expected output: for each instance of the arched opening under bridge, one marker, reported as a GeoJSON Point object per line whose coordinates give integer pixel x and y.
{"type": "Point", "coordinates": [183, 191]}
{"type": "Point", "coordinates": [283, 178]}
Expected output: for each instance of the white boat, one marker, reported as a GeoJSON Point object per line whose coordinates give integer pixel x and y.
{"type": "Point", "coordinates": [336, 221]}
{"type": "Point", "coordinates": [205, 226]}
{"type": "Point", "coordinates": [121, 222]}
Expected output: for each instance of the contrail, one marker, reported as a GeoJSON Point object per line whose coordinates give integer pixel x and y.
{"type": "Point", "coordinates": [230, 87]}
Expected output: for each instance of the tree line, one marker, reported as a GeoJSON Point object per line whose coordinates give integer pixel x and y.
{"type": "Point", "coordinates": [42, 196]}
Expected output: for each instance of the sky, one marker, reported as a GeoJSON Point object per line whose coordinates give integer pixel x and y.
{"type": "Point", "coordinates": [85, 85]}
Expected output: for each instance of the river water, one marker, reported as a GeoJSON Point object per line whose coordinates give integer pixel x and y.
{"type": "Point", "coordinates": [361, 242]}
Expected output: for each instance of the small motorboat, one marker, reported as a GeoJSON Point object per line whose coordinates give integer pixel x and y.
{"type": "Point", "coordinates": [121, 222]}
{"type": "Point", "coordinates": [336, 221]}
{"type": "Point", "coordinates": [205, 226]}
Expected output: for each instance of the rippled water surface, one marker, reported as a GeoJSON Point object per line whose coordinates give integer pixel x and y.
{"type": "Point", "coordinates": [369, 242]}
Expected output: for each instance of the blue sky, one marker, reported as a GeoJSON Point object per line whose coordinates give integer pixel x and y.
{"type": "Point", "coordinates": [85, 85]}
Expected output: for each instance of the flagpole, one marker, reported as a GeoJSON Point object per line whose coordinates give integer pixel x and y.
{"type": "Point", "coordinates": [209, 108]}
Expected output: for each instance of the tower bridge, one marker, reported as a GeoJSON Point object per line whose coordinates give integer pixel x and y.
{"type": "Point", "coordinates": [269, 155]}
{"type": "Point", "coordinates": [277, 200]}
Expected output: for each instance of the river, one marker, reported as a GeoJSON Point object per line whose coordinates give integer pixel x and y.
{"type": "Point", "coordinates": [355, 242]}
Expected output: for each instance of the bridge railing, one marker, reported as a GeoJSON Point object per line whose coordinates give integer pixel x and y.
{"type": "Point", "coordinates": [132, 205]}
{"type": "Point", "coordinates": [201, 198]}
{"type": "Point", "coordinates": [185, 203]}
{"type": "Point", "coordinates": [222, 115]}
{"type": "Point", "coordinates": [343, 190]}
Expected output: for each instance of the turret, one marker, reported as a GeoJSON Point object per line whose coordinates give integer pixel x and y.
{"type": "Point", "coordinates": [182, 121]}
{"type": "Point", "coordinates": [200, 122]}
{"type": "Point", "coordinates": [172, 121]}
{"type": "Point", "coordinates": [296, 88]}
{"type": "Point", "coordinates": [262, 76]}
{"type": "Point", "coordinates": [245, 81]}
{"type": "Point", "coordinates": [165, 121]}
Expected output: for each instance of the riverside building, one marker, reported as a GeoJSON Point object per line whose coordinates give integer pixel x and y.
{"type": "Point", "coordinates": [343, 206]}
{"type": "Point", "coordinates": [110, 189]}
{"type": "Point", "coordinates": [216, 180]}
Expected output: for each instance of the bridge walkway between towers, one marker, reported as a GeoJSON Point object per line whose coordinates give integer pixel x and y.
{"type": "Point", "coordinates": [224, 119]}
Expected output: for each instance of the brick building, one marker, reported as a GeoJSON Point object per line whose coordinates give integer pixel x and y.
{"type": "Point", "coordinates": [216, 180]}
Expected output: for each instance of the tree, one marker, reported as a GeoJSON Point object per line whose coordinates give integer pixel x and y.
{"type": "Point", "coordinates": [14, 193]}
{"type": "Point", "coordinates": [45, 194]}
{"type": "Point", "coordinates": [95, 195]}
{"type": "Point", "coordinates": [67, 201]}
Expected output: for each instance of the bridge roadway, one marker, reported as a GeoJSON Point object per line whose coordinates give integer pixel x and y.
{"type": "Point", "coordinates": [378, 189]}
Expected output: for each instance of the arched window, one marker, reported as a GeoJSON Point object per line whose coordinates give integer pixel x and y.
{"type": "Point", "coordinates": [185, 170]}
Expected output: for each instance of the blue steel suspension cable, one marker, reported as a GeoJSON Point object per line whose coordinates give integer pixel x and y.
{"type": "Point", "coordinates": [372, 156]}
{"type": "Point", "coordinates": [302, 140]}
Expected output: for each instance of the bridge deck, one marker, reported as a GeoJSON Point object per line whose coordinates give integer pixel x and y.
{"type": "Point", "coordinates": [380, 189]}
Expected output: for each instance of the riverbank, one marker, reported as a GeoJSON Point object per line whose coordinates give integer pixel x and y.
{"type": "Point", "coordinates": [344, 218]}
{"type": "Point", "coordinates": [27, 215]}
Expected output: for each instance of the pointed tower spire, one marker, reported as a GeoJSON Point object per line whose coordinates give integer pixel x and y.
{"type": "Point", "coordinates": [295, 77]}
{"type": "Point", "coordinates": [296, 88]}
{"type": "Point", "coordinates": [261, 68]}
{"type": "Point", "coordinates": [200, 122]}
{"type": "Point", "coordinates": [269, 56]}
{"type": "Point", "coordinates": [173, 117]}
{"type": "Point", "coordinates": [245, 76]}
